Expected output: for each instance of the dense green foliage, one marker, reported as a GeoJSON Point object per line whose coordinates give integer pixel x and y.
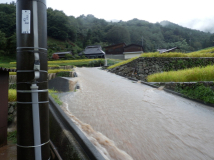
{"type": "Point", "coordinates": [12, 137]}
{"type": "Point", "coordinates": [73, 34]}
{"type": "Point", "coordinates": [197, 91]}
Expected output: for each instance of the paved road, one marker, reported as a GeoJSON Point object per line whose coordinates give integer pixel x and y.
{"type": "Point", "coordinates": [144, 122]}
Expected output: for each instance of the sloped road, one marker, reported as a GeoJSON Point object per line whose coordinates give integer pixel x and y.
{"type": "Point", "coordinates": [146, 123]}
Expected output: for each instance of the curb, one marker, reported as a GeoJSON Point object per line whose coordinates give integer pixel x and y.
{"type": "Point", "coordinates": [170, 91]}
{"type": "Point", "coordinates": [66, 123]}
{"type": "Point", "coordinates": [179, 94]}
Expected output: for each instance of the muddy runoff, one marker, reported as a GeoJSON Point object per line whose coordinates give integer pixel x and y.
{"type": "Point", "coordinates": [128, 120]}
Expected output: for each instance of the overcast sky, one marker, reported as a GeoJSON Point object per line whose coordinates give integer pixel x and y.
{"type": "Point", "coordinates": [189, 13]}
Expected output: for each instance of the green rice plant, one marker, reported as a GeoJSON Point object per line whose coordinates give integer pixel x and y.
{"type": "Point", "coordinates": [58, 70]}
{"type": "Point", "coordinates": [53, 65]}
{"type": "Point", "coordinates": [166, 55]}
{"type": "Point", "coordinates": [12, 95]}
{"type": "Point", "coordinates": [186, 75]}
{"type": "Point", "coordinates": [12, 73]}
{"type": "Point", "coordinates": [122, 63]}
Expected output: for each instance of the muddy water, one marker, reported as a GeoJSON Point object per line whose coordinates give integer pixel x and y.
{"type": "Point", "coordinates": [144, 122]}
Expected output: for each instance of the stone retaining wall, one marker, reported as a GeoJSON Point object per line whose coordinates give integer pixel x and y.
{"type": "Point", "coordinates": [12, 110]}
{"type": "Point", "coordinates": [142, 67]}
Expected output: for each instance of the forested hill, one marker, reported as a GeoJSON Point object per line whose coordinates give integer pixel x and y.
{"type": "Point", "coordinates": [87, 30]}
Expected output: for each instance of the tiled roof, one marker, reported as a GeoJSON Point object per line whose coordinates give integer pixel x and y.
{"type": "Point", "coordinates": [7, 69]}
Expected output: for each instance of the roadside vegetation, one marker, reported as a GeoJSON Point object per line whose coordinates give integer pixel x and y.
{"type": "Point", "coordinates": [198, 91]}
{"type": "Point", "coordinates": [12, 95]}
{"type": "Point", "coordinates": [54, 95]}
{"type": "Point", "coordinates": [12, 137]}
{"type": "Point", "coordinates": [186, 75]}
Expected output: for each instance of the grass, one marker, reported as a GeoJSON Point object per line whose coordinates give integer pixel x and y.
{"type": "Point", "coordinates": [49, 71]}
{"type": "Point", "coordinates": [207, 52]}
{"type": "Point", "coordinates": [198, 91]}
{"type": "Point", "coordinates": [55, 96]}
{"type": "Point", "coordinates": [12, 95]}
{"type": "Point", "coordinates": [58, 70]}
{"type": "Point", "coordinates": [53, 65]}
{"type": "Point", "coordinates": [122, 63]}
{"type": "Point", "coordinates": [186, 75]}
{"type": "Point", "coordinates": [80, 62]}
{"type": "Point", "coordinates": [12, 137]}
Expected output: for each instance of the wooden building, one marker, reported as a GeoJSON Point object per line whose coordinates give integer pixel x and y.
{"type": "Point", "coordinates": [133, 48]}
{"type": "Point", "coordinates": [115, 49]}
{"type": "Point", "coordinates": [4, 83]}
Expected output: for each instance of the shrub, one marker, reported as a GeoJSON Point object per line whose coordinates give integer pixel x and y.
{"type": "Point", "coordinates": [55, 56]}
{"type": "Point", "coordinates": [11, 95]}
{"type": "Point", "coordinates": [198, 91]}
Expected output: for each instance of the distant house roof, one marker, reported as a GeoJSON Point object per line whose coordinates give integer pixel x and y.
{"type": "Point", "coordinates": [62, 53]}
{"type": "Point", "coordinates": [7, 69]}
{"type": "Point", "coordinates": [95, 49]}
{"type": "Point", "coordinates": [115, 45]}
{"type": "Point", "coordinates": [166, 50]}
{"type": "Point", "coordinates": [133, 45]}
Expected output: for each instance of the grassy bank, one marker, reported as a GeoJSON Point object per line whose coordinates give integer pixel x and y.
{"type": "Point", "coordinates": [187, 75]}
{"type": "Point", "coordinates": [12, 96]}
{"type": "Point", "coordinates": [122, 63]}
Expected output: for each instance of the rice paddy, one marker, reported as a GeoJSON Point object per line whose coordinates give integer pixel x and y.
{"type": "Point", "coordinates": [186, 75]}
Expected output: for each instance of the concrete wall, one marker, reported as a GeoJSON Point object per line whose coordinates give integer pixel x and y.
{"type": "Point", "coordinates": [128, 55]}
{"type": "Point", "coordinates": [144, 66]}
{"type": "Point", "coordinates": [115, 56]}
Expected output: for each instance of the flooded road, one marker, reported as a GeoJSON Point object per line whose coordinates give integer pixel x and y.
{"type": "Point", "coordinates": [144, 122]}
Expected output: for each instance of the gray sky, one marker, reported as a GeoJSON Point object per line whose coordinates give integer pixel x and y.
{"type": "Point", "coordinates": [189, 13]}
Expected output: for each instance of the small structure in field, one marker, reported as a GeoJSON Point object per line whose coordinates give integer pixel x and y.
{"type": "Point", "coordinates": [94, 51]}
{"type": "Point", "coordinates": [167, 50]}
{"type": "Point", "coordinates": [62, 54]}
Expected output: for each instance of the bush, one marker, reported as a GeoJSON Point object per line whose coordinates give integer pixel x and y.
{"type": "Point", "coordinates": [198, 91]}
{"type": "Point", "coordinates": [69, 57]}
{"type": "Point", "coordinates": [55, 56]}
{"type": "Point", "coordinates": [11, 95]}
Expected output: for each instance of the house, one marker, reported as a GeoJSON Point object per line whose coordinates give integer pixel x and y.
{"type": "Point", "coordinates": [167, 50]}
{"type": "Point", "coordinates": [94, 51]}
{"type": "Point", "coordinates": [115, 49]}
{"type": "Point", "coordinates": [133, 48]}
{"type": "Point", "coordinates": [123, 51]}
{"type": "Point", "coordinates": [62, 54]}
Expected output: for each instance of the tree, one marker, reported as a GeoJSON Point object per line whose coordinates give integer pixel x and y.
{"type": "Point", "coordinates": [3, 42]}
{"type": "Point", "coordinates": [118, 34]}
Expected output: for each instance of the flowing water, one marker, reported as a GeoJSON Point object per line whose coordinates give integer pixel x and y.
{"type": "Point", "coordinates": [126, 119]}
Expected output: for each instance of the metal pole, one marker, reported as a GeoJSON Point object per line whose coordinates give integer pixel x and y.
{"type": "Point", "coordinates": [32, 93]}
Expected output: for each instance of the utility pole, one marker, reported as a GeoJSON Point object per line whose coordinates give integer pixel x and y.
{"type": "Point", "coordinates": [32, 93]}
{"type": "Point", "coordinates": [142, 41]}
